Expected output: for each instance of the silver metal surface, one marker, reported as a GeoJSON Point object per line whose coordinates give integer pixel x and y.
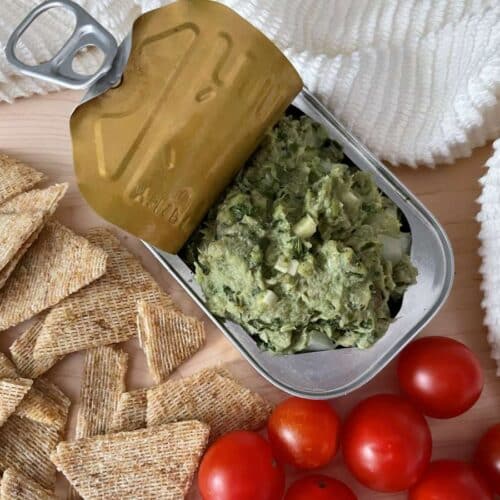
{"type": "Point", "coordinates": [333, 373]}
{"type": "Point", "coordinates": [113, 76]}
{"type": "Point", "coordinates": [59, 70]}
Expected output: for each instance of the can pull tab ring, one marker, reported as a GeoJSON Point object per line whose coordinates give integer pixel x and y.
{"type": "Point", "coordinates": [59, 70]}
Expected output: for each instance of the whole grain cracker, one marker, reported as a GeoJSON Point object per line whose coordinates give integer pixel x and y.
{"type": "Point", "coordinates": [15, 485]}
{"type": "Point", "coordinates": [211, 397]}
{"type": "Point", "coordinates": [45, 403]}
{"type": "Point", "coordinates": [36, 200]}
{"type": "Point", "coordinates": [7, 369]}
{"type": "Point", "coordinates": [103, 313]}
{"type": "Point", "coordinates": [58, 264]}
{"type": "Point", "coordinates": [153, 463]}
{"type": "Point", "coordinates": [15, 230]}
{"type": "Point", "coordinates": [130, 413]}
{"type": "Point", "coordinates": [103, 383]}
{"type": "Point", "coordinates": [21, 220]}
{"type": "Point", "coordinates": [16, 177]}
{"type": "Point", "coordinates": [26, 445]}
{"type": "Point", "coordinates": [22, 352]}
{"type": "Point", "coordinates": [12, 264]}
{"type": "Point", "coordinates": [168, 338]}
{"type": "Point", "coordinates": [12, 392]}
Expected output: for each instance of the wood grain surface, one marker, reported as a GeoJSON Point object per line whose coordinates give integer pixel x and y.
{"type": "Point", "coordinates": [36, 130]}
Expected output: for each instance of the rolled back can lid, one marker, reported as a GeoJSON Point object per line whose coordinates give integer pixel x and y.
{"type": "Point", "coordinates": [201, 87]}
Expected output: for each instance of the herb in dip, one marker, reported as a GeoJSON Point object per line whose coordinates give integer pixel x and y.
{"type": "Point", "coordinates": [303, 246]}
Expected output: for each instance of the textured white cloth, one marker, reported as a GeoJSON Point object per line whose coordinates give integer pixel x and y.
{"type": "Point", "coordinates": [418, 81]}
{"type": "Point", "coordinates": [489, 217]}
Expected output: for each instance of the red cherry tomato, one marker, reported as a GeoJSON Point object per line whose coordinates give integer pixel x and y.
{"type": "Point", "coordinates": [451, 480]}
{"type": "Point", "coordinates": [488, 457]}
{"type": "Point", "coordinates": [319, 487]}
{"type": "Point", "coordinates": [387, 443]}
{"type": "Point", "coordinates": [240, 466]}
{"type": "Point", "coordinates": [304, 433]}
{"type": "Point", "coordinates": [441, 376]}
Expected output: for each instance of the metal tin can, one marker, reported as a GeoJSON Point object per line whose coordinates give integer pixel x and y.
{"type": "Point", "coordinates": [336, 372]}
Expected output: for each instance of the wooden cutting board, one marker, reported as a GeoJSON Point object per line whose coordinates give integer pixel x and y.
{"type": "Point", "coordinates": [36, 131]}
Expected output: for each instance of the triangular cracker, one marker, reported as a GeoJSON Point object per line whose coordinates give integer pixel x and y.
{"type": "Point", "coordinates": [22, 352]}
{"type": "Point", "coordinates": [26, 445]}
{"type": "Point", "coordinates": [103, 383]}
{"type": "Point", "coordinates": [45, 403]}
{"type": "Point", "coordinates": [16, 177]}
{"type": "Point", "coordinates": [36, 200]}
{"type": "Point", "coordinates": [15, 485]}
{"type": "Point", "coordinates": [103, 313]}
{"type": "Point", "coordinates": [12, 264]}
{"type": "Point", "coordinates": [130, 413]}
{"type": "Point", "coordinates": [58, 264]}
{"type": "Point", "coordinates": [12, 392]}
{"type": "Point", "coordinates": [7, 369]}
{"type": "Point", "coordinates": [210, 397]}
{"type": "Point", "coordinates": [15, 230]}
{"type": "Point", "coordinates": [21, 220]}
{"type": "Point", "coordinates": [168, 338]}
{"type": "Point", "coordinates": [147, 464]}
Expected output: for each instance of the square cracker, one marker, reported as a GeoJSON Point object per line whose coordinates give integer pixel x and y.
{"type": "Point", "coordinates": [168, 338]}
{"type": "Point", "coordinates": [103, 383]}
{"type": "Point", "coordinates": [47, 404]}
{"type": "Point", "coordinates": [7, 369]}
{"type": "Point", "coordinates": [130, 413]}
{"type": "Point", "coordinates": [211, 396]}
{"type": "Point", "coordinates": [153, 463]}
{"type": "Point", "coordinates": [12, 392]}
{"type": "Point", "coordinates": [58, 264]}
{"type": "Point", "coordinates": [22, 352]}
{"type": "Point", "coordinates": [21, 220]}
{"type": "Point", "coordinates": [105, 312]}
{"type": "Point", "coordinates": [16, 177]}
{"type": "Point", "coordinates": [26, 445]}
{"type": "Point", "coordinates": [15, 485]}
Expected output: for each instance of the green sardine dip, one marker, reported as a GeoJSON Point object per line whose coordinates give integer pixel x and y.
{"type": "Point", "coordinates": [303, 248]}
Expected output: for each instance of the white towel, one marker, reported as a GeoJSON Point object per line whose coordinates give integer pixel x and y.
{"type": "Point", "coordinates": [418, 81]}
{"type": "Point", "coordinates": [489, 217]}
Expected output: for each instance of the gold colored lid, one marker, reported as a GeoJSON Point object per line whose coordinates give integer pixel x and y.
{"type": "Point", "coordinates": [200, 88]}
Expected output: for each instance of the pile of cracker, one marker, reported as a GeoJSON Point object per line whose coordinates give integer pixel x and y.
{"type": "Point", "coordinates": [88, 293]}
